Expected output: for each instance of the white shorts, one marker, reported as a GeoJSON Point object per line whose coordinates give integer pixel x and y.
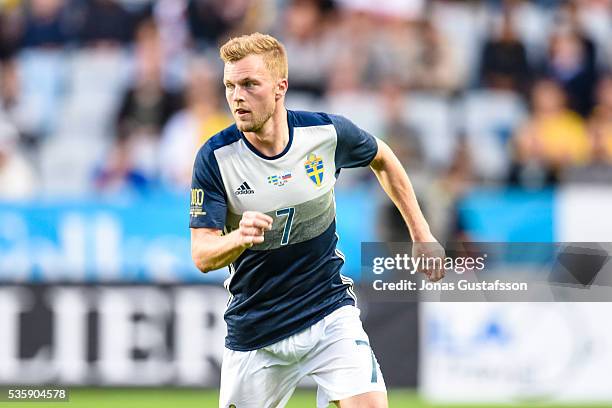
{"type": "Point", "coordinates": [335, 352]}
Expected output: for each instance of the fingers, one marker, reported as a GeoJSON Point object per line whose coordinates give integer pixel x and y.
{"type": "Point", "coordinates": [436, 275]}
{"type": "Point", "coordinates": [433, 252]}
{"type": "Point", "coordinates": [256, 219]}
{"type": "Point", "coordinates": [433, 274]}
{"type": "Point", "coordinates": [255, 223]}
{"type": "Point", "coordinates": [252, 227]}
{"type": "Point", "coordinates": [250, 236]}
{"type": "Point", "coordinates": [251, 231]}
{"type": "Point", "coordinates": [250, 240]}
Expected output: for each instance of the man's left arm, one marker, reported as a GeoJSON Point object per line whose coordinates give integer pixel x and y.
{"type": "Point", "coordinates": [397, 185]}
{"type": "Point", "coordinates": [357, 148]}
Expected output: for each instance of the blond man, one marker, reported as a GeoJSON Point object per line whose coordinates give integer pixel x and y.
{"type": "Point", "coordinates": [263, 204]}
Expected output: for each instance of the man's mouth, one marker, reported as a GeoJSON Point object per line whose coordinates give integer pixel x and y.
{"type": "Point", "coordinates": [241, 111]}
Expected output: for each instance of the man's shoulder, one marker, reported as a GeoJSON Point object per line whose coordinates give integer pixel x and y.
{"type": "Point", "coordinates": [227, 136]}
{"type": "Point", "coordinates": [221, 139]}
{"type": "Point", "coordinates": [307, 118]}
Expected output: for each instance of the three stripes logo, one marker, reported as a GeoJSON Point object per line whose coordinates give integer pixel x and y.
{"type": "Point", "coordinates": [244, 189]}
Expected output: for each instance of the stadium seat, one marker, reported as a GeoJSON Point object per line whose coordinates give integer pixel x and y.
{"type": "Point", "coordinates": [67, 163]}
{"type": "Point", "coordinates": [95, 71]}
{"type": "Point", "coordinates": [97, 81]}
{"type": "Point", "coordinates": [42, 75]}
{"type": "Point", "coordinates": [533, 25]}
{"type": "Point", "coordinates": [464, 26]}
{"type": "Point", "coordinates": [489, 118]}
{"type": "Point", "coordinates": [430, 115]}
{"type": "Point", "coordinates": [301, 101]}
{"type": "Point", "coordinates": [88, 120]}
{"type": "Point", "coordinates": [363, 108]}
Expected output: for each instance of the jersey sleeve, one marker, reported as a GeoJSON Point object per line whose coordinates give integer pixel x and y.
{"type": "Point", "coordinates": [355, 147]}
{"type": "Point", "coordinates": [208, 201]}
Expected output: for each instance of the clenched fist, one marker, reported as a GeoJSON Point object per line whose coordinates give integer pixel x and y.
{"type": "Point", "coordinates": [433, 252]}
{"type": "Point", "coordinates": [252, 227]}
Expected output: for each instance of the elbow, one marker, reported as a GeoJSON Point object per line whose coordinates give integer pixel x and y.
{"type": "Point", "coordinates": [205, 249]}
{"type": "Point", "coordinates": [200, 262]}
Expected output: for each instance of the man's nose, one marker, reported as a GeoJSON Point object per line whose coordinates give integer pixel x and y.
{"type": "Point", "coordinates": [237, 94]}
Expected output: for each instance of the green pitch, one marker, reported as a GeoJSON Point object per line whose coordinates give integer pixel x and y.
{"type": "Point", "coordinates": [190, 398]}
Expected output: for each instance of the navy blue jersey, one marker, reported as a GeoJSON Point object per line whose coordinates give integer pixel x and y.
{"type": "Point", "coordinates": [291, 280]}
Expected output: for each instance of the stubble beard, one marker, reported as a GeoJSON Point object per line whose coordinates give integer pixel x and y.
{"type": "Point", "coordinates": [257, 123]}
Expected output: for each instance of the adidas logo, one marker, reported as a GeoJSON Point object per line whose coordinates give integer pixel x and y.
{"type": "Point", "coordinates": [244, 189]}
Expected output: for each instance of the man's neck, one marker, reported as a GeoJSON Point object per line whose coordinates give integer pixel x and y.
{"type": "Point", "coordinates": [273, 137]}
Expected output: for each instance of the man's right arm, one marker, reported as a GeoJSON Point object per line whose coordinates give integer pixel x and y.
{"type": "Point", "coordinates": [210, 250]}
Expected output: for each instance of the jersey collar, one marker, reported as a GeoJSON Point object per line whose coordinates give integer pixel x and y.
{"type": "Point", "coordinates": [252, 148]}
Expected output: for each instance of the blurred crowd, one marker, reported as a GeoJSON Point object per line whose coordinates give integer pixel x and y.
{"type": "Point", "coordinates": [115, 96]}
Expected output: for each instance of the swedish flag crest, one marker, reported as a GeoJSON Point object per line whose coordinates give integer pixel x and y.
{"type": "Point", "coordinates": [314, 168]}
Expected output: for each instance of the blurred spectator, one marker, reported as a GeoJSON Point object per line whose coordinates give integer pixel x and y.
{"type": "Point", "coordinates": [258, 16]}
{"type": "Point", "coordinates": [348, 94]}
{"type": "Point", "coordinates": [394, 52]}
{"type": "Point", "coordinates": [504, 62]}
{"type": "Point", "coordinates": [600, 122]}
{"type": "Point", "coordinates": [17, 178]}
{"type": "Point", "coordinates": [594, 18]}
{"type": "Point", "coordinates": [553, 137]}
{"type": "Point", "coordinates": [30, 84]}
{"type": "Point", "coordinates": [569, 63]}
{"type": "Point", "coordinates": [442, 196]}
{"type": "Point", "coordinates": [346, 75]}
{"type": "Point", "coordinates": [128, 168]}
{"type": "Point", "coordinates": [403, 9]}
{"type": "Point", "coordinates": [44, 25]}
{"type": "Point", "coordinates": [147, 106]}
{"type": "Point", "coordinates": [40, 65]}
{"type": "Point", "coordinates": [10, 31]}
{"type": "Point", "coordinates": [435, 67]}
{"type": "Point", "coordinates": [403, 138]}
{"type": "Point", "coordinates": [405, 142]}
{"type": "Point", "coordinates": [417, 54]}
{"type": "Point", "coordinates": [9, 37]}
{"type": "Point", "coordinates": [305, 39]}
{"type": "Point", "coordinates": [104, 23]}
{"type": "Point", "coordinates": [347, 56]}
{"type": "Point", "coordinates": [9, 85]}
{"type": "Point", "coordinates": [599, 169]}
{"type": "Point", "coordinates": [170, 17]}
{"type": "Point", "coordinates": [211, 21]}
{"type": "Point", "coordinates": [188, 129]}
{"type": "Point", "coordinates": [461, 24]}
{"type": "Point", "coordinates": [352, 41]}
{"type": "Point", "coordinates": [145, 109]}
{"type": "Point", "coordinates": [569, 18]}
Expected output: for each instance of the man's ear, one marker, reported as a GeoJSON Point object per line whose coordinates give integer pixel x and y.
{"type": "Point", "coordinates": [281, 88]}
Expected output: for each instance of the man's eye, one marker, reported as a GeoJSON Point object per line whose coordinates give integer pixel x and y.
{"type": "Point", "coordinates": [229, 87]}
{"type": "Point", "coordinates": [249, 84]}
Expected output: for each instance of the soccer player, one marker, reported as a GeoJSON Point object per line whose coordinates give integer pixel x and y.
{"type": "Point", "coordinates": [262, 203]}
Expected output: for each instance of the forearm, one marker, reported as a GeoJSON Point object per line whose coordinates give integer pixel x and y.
{"type": "Point", "coordinates": [216, 251]}
{"type": "Point", "coordinates": [394, 180]}
{"type": "Point", "coordinates": [210, 250]}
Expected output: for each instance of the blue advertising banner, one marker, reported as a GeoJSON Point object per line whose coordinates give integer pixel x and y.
{"type": "Point", "coordinates": [509, 215]}
{"type": "Point", "coordinates": [143, 239]}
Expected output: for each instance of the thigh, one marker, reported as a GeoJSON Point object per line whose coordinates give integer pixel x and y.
{"type": "Point", "coordinates": [344, 365]}
{"type": "Point", "coordinates": [373, 399]}
{"type": "Point", "coordinates": [256, 379]}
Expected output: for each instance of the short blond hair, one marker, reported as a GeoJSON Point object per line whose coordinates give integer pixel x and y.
{"type": "Point", "coordinates": [273, 52]}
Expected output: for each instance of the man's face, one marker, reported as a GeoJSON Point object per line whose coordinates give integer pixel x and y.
{"type": "Point", "coordinates": [250, 90]}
